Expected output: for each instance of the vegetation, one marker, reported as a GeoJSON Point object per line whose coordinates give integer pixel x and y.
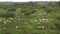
{"type": "Point", "coordinates": [30, 17]}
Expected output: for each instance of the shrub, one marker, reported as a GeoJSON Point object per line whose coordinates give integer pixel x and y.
{"type": "Point", "coordinates": [57, 26]}
{"type": "Point", "coordinates": [10, 14]}
{"type": "Point", "coordinates": [12, 9]}
{"type": "Point", "coordinates": [29, 12]}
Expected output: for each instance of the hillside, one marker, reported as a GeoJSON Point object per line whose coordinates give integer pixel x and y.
{"type": "Point", "coordinates": [30, 17]}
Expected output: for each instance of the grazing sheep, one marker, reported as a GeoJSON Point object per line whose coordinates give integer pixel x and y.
{"type": "Point", "coordinates": [9, 21]}
{"type": "Point", "coordinates": [35, 20]}
{"type": "Point", "coordinates": [4, 22]}
{"type": "Point", "coordinates": [38, 23]}
{"type": "Point", "coordinates": [51, 19]}
{"type": "Point", "coordinates": [45, 13]}
{"type": "Point", "coordinates": [26, 23]}
{"type": "Point", "coordinates": [45, 20]}
{"type": "Point", "coordinates": [4, 28]}
{"type": "Point", "coordinates": [11, 18]}
{"type": "Point", "coordinates": [19, 19]}
{"type": "Point", "coordinates": [14, 20]}
{"type": "Point", "coordinates": [33, 14]}
{"type": "Point", "coordinates": [22, 19]}
{"type": "Point", "coordinates": [0, 20]}
{"type": "Point", "coordinates": [41, 27]}
{"type": "Point", "coordinates": [31, 21]}
{"type": "Point", "coordinates": [42, 16]}
{"type": "Point", "coordinates": [40, 20]}
{"type": "Point", "coordinates": [17, 27]}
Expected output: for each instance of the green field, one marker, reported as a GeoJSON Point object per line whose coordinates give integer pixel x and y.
{"type": "Point", "coordinates": [29, 17]}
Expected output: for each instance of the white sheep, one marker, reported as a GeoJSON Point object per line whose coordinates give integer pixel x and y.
{"type": "Point", "coordinates": [35, 20]}
{"type": "Point", "coordinates": [41, 27]}
{"type": "Point", "coordinates": [17, 27]}
{"type": "Point", "coordinates": [38, 23]}
{"type": "Point", "coordinates": [46, 20]}
{"type": "Point", "coordinates": [4, 28]}
{"type": "Point", "coordinates": [4, 22]}
{"type": "Point", "coordinates": [26, 23]}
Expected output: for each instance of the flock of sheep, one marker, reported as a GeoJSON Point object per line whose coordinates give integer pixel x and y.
{"type": "Point", "coordinates": [9, 20]}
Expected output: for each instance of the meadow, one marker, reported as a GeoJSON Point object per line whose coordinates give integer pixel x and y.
{"type": "Point", "coordinates": [30, 17]}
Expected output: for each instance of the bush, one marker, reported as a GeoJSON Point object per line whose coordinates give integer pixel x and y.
{"type": "Point", "coordinates": [12, 9]}
{"type": "Point", "coordinates": [5, 13]}
{"type": "Point", "coordinates": [10, 14]}
{"type": "Point", "coordinates": [58, 17]}
{"type": "Point", "coordinates": [29, 12]}
{"type": "Point", "coordinates": [57, 26]}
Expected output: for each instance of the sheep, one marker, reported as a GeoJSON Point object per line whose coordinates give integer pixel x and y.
{"type": "Point", "coordinates": [26, 23]}
{"type": "Point", "coordinates": [41, 27]}
{"type": "Point", "coordinates": [38, 23]}
{"type": "Point", "coordinates": [4, 22]}
{"type": "Point", "coordinates": [11, 18]}
{"type": "Point", "coordinates": [31, 21]}
{"type": "Point", "coordinates": [40, 20]}
{"type": "Point", "coordinates": [35, 20]}
{"type": "Point", "coordinates": [17, 27]}
{"type": "Point", "coordinates": [9, 21]}
{"type": "Point", "coordinates": [4, 28]}
{"type": "Point", "coordinates": [45, 20]}
{"type": "Point", "coordinates": [51, 19]}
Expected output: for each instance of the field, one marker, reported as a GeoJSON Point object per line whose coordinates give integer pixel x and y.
{"type": "Point", "coordinates": [29, 17]}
